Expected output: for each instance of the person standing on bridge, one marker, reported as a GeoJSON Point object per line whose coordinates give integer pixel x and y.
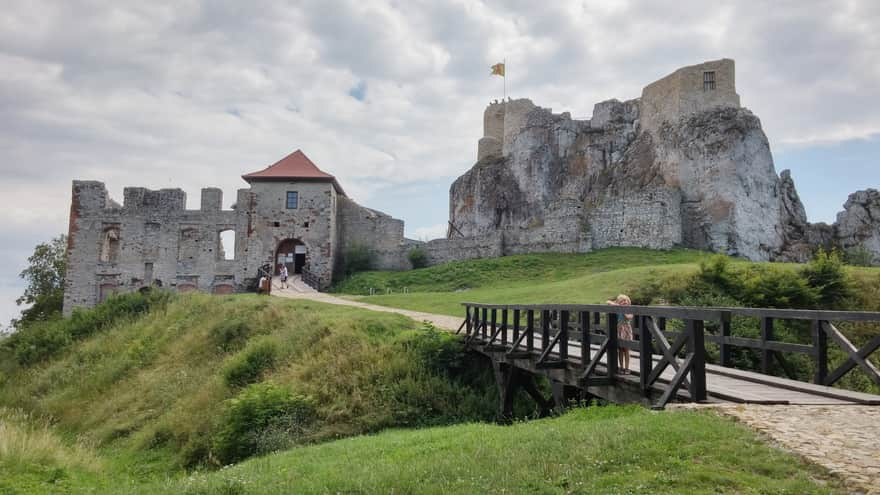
{"type": "Point", "coordinates": [624, 331]}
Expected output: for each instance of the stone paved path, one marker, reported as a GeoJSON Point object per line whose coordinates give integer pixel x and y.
{"type": "Point", "coordinates": [845, 439]}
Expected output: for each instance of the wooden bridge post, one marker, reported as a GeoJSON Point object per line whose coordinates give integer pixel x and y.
{"type": "Point", "coordinates": [697, 345]}
{"type": "Point", "coordinates": [646, 358]}
{"type": "Point", "coordinates": [723, 346]}
{"type": "Point", "coordinates": [563, 335]}
{"type": "Point", "coordinates": [494, 323]}
{"type": "Point", "coordinates": [820, 346]}
{"type": "Point", "coordinates": [545, 329]}
{"type": "Point", "coordinates": [485, 320]}
{"type": "Point", "coordinates": [584, 317]}
{"type": "Point", "coordinates": [766, 334]}
{"type": "Point", "coordinates": [515, 325]}
{"type": "Point", "coordinates": [504, 327]}
{"type": "Point", "coordinates": [530, 330]}
{"type": "Point", "coordinates": [611, 352]}
{"type": "Point", "coordinates": [467, 318]}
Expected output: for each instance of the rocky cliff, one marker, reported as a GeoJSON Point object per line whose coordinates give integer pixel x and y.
{"type": "Point", "coordinates": [684, 165]}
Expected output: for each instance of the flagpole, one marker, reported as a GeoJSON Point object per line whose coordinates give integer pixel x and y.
{"type": "Point", "coordinates": [504, 64]}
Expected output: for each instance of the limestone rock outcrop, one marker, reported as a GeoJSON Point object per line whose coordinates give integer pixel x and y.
{"type": "Point", "coordinates": [858, 225]}
{"type": "Point", "coordinates": [683, 165]}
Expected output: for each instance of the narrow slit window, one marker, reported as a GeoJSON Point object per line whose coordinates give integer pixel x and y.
{"type": "Point", "coordinates": [292, 200]}
{"type": "Point", "coordinates": [708, 81]}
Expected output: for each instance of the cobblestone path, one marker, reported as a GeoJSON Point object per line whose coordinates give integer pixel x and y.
{"type": "Point", "coordinates": [845, 439]}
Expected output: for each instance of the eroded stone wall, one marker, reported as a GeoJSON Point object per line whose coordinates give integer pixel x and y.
{"type": "Point", "coordinates": [152, 239]}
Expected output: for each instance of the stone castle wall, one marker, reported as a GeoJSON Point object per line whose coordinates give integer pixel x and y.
{"type": "Point", "coordinates": [150, 239]}
{"type": "Point", "coordinates": [381, 233]}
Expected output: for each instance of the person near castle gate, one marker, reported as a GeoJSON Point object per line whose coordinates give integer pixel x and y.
{"type": "Point", "coordinates": [284, 275]}
{"type": "Point", "coordinates": [624, 331]}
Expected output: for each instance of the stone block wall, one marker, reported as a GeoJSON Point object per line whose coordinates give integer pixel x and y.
{"type": "Point", "coordinates": [648, 218]}
{"type": "Point", "coordinates": [377, 231]}
{"type": "Point", "coordinates": [150, 240]}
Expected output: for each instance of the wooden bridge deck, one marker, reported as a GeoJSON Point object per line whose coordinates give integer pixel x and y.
{"type": "Point", "coordinates": [549, 341]}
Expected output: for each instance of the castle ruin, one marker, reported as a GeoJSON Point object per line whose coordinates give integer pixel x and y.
{"type": "Point", "coordinates": [683, 165]}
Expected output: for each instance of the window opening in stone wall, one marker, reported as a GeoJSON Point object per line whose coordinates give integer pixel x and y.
{"type": "Point", "coordinates": [306, 225]}
{"type": "Point", "coordinates": [188, 246]}
{"type": "Point", "coordinates": [110, 245]}
{"type": "Point", "coordinates": [292, 200]}
{"type": "Point", "coordinates": [708, 81]}
{"type": "Point", "coordinates": [226, 245]}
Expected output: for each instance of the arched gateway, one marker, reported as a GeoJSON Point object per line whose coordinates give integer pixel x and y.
{"type": "Point", "coordinates": [290, 252]}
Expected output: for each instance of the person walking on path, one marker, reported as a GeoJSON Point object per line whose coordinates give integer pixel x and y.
{"type": "Point", "coordinates": [284, 275]}
{"type": "Point", "coordinates": [624, 331]}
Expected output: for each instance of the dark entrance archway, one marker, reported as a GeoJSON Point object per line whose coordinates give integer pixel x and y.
{"type": "Point", "coordinates": [290, 252]}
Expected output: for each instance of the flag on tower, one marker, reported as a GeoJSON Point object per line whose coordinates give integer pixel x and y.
{"type": "Point", "coordinates": [498, 69]}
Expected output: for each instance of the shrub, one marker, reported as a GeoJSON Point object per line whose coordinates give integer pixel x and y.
{"type": "Point", "coordinates": [357, 258]}
{"type": "Point", "coordinates": [825, 273]}
{"type": "Point", "coordinates": [262, 418]}
{"type": "Point", "coordinates": [249, 365]}
{"type": "Point", "coordinates": [41, 340]}
{"type": "Point", "coordinates": [418, 258]}
{"type": "Point", "coordinates": [859, 256]}
{"type": "Point", "coordinates": [230, 335]}
{"type": "Point", "coordinates": [438, 351]}
{"type": "Point", "coordinates": [776, 287]}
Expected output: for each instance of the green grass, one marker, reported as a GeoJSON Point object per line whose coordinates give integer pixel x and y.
{"type": "Point", "coordinates": [596, 450]}
{"type": "Point", "coordinates": [534, 279]}
{"type": "Point", "coordinates": [541, 278]}
{"type": "Point", "coordinates": [152, 389]}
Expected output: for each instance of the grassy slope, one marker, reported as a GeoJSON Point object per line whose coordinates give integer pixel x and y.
{"type": "Point", "coordinates": [597, 450]}
{"type": "Point", "coordinates": [536, 278]}
{"type": "Point", "coordinates": [148, 393]}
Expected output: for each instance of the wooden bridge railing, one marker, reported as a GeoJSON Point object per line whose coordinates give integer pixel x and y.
{"type": "Point", "coordinates": [546, 332]}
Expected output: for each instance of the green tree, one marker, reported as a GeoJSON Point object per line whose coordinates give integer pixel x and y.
{"type": "Point", "coordinates": [45, 282]}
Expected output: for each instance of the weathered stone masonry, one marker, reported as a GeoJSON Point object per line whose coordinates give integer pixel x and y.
{"type": "Point", "coordinates": [152, 239]}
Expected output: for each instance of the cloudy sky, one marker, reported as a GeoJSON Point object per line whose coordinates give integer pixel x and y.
{"type": "Point", "coordinates": [388, 95]}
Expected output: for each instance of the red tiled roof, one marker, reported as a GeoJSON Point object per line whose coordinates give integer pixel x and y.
{"type": "Point", "coordinates": [295, 166]}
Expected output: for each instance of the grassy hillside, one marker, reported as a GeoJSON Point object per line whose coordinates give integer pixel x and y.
{"type": "Point", "coordinates": [554, 278]}
{"type": "Point", "coordinates": [152, 397]}
{"type": "Point", "coordinates": [534, 278]}
{"type": "Point", "coordinates": [597, 450]}
{"type": "Point", "coordinates": [157, 389]}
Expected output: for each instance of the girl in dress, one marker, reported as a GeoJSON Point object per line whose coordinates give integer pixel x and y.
{"type": "Point", "coordinates": [624, 331]}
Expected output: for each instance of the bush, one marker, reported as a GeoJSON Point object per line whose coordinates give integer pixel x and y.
{"type": "Point", "coordinates": [43, 339]}
{"type": "Point", "coordinates": [825, 273]}
{"type": "Point", "coordinates": [418, 258]}
{"type": "Point", "coordinates": [357, 258]}
{"type": "Point", "coordinates": [264, 417]}
{"type": "Point", "coordinates": [249, 365]}
{"type": "Point", "coordinates": [230, 335]}
{"type": "Point", "coordinates": [859, 256]}
{"type": "Point", "coordinates": [438, 351]}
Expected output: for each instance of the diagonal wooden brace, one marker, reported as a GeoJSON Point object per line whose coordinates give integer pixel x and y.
{"type": "Point", "coordinates": [676, 382]}
{"type": "Point", "coordinates": [595, 361]}
{"type": "Point", "coordinates": [856, 356]}
{"type": "Point", "coordinates": [668, 351]}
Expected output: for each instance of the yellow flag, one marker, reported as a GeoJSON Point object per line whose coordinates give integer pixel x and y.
{"type": "Point", "coordinates": [498, 69]}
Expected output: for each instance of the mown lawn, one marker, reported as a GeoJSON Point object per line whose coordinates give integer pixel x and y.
{"type": "Point", "coordinates": [597, 450]}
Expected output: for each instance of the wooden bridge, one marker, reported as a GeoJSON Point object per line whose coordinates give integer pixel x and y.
{"type": "Point", "coordinates": [576, 348]}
